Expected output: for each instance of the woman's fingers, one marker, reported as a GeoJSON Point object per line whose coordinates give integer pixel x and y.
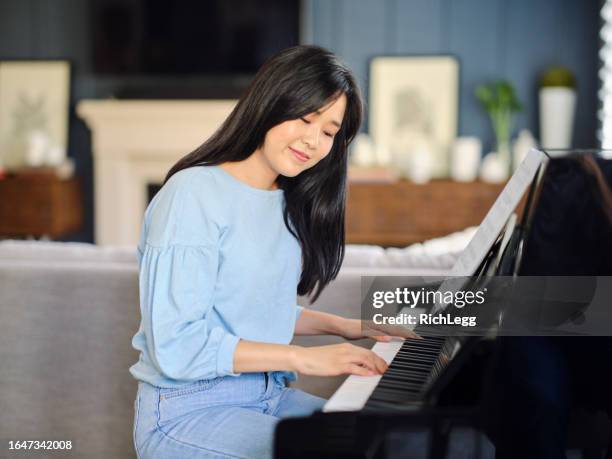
{"type": "Point", "coordinates": [399, 331]}
{"type": "Point", "coordinates": [374, 364]}
{"type": "Point", "coordinates": [412, 335]}
{"type": "Point", "coordinates": [381, 365]}
{"type": "Point", "coordinates": [339, 359]}
{"type": "Point", "coordinates": [402, 332]}
{"type": "Point", "coordinates": [376, 331]}
{"type": "Point", "coordinates": [371, 360]}
{"type": "Point", "coordinates": [382, 338]}
{"type": "Point", "coordinates": [359, 370]}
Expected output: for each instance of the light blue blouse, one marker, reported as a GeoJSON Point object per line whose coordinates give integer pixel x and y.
{"type": "Point", "coordinates": [217, 264]}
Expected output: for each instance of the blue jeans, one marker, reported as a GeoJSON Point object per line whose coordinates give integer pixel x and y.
{"type": "Point", "coordinates": [216, 418]}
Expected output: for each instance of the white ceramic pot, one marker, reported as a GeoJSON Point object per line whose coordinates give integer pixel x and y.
{"type": "Point", "coordinates": [494, 168]}
{"type": "Point", "coordinates": [363, 151]}
{"type": "Point", "coordinates": [37, 147]}
{"type": "Point", "coordinates": [420, 165]}
{"type": "Point", "coordinates": [465, 158]}
{"type": "Point", "coordinates": [557, 105]}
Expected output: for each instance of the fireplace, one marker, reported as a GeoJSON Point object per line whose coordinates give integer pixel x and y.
{"type": "Point", "coordinates": [134, 145]}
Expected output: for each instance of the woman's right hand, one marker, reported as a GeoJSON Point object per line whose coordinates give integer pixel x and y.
{"type": "Point", "coordinates": [338, 359]}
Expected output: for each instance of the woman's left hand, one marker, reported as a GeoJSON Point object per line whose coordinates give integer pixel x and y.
{"type": "Point", "coordinates": [356, 329]}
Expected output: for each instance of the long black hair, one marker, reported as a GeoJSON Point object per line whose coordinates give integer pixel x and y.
{"type": "Point", "coordinates": [290, 85]}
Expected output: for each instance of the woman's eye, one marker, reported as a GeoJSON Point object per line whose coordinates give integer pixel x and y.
{"type": "Point", "coordinates": [305, 120]}
{"type": "Point", "coordinates": [329, 134]}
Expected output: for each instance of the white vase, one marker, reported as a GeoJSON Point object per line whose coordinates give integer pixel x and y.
{"type": "Point", "coordinates": [420, 164]}
{"type": "Point", "coordinates": [494, 168]}
{"type": "Point", "coordinates": [521, 147]}
{"type": "Point", "coordinates": [557, 105]}
{"type": "Point", "coordinates": [363, 151]}
{"type": "Point", "coordinates": [465, 158]}
{"type": "Point", "coordinates": [37, 147]}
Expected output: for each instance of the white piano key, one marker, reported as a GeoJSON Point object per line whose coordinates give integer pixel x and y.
{"type": "Point", "coordinates": [355, 391]}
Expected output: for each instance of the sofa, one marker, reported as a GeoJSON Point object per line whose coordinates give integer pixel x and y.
{"type": "Point", "coordinates": [69, 311]}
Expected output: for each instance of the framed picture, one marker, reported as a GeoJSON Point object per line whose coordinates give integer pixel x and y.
{"type": "Point", "coordinates": [414, 110]}
{"type": "Point", "coordinates": [34, 101]}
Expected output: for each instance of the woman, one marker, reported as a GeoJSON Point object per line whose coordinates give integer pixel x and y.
{"type": "Point", "coordinates": [242, 224]}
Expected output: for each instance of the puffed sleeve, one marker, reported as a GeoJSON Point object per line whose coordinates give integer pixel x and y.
{"type": "Point", "coordinates": [178, 272]}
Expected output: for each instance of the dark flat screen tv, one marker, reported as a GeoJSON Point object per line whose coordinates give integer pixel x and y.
{"type": "Point", "coordinates": [212, 38]}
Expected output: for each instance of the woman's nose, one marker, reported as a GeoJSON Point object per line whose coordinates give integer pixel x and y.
{"type": "Point", "coordinates": [311, 138]}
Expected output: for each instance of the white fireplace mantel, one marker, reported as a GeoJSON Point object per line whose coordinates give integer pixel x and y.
{"type": "Point", "coordinates": [134, 144]}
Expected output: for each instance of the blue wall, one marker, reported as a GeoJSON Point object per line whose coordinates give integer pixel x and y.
{"type": "Point", "coordinates": [512, 39]}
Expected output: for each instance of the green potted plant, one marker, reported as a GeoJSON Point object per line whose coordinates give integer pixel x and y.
{"type": "Point", "coordinates": [501, 103]}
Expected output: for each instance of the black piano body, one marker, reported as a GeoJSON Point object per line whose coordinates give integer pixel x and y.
{"type": "Point", "coordinates": [565, 230]}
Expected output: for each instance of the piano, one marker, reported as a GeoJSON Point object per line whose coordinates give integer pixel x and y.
{"type": "Point", "coordinates": [440, 383]}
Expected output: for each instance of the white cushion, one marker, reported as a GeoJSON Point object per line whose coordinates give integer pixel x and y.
{"type": "Point", "coordinates": [435, 254]}
{"type": "Point", "coordinates": [66, 251]}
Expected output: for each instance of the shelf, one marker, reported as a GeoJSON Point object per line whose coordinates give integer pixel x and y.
{"type": "Point", "coordinates": [40, 205]}
{"type": "Point", "coordinates": [401, 213]}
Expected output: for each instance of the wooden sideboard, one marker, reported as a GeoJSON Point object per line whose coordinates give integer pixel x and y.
{"type": "Point", "coordinates": [401, 213]}
{"type": "Point", "coordinates": [40, 205]}
{"type": "Point", "coordinates": [387, 214]}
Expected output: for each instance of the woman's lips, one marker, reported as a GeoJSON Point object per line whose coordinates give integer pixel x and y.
{"type": "Point", "coordinates": [299, 155]}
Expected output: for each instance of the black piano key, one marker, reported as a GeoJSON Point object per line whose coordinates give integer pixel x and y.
{"type": "Point", "coordinates": [419, 359]}
{"type": "Point", "coordinates": [425, 341]}
{"type": "Point", "coordinates": [401, 374]}
{"type": "Point", "coordinates": [390, 384]}
{"type": "Point", "coordinates": [417, 373]}
{"type": "Point", "coordinates": [410, 364]}
{"type": "Point", "coordinates": [407, 379]}
{"type": "Point", "coordinates": [392, 393]}
{"type": "Point", "coordinates": [405, 373]}
{"type": "Point", "coordinates": [413, 352]}
{"type": "Point", "coordinates": [394, 398]}
{"type": "Point", "coordinates": [393, 381]}
{"type": "Point", "coordinates": [397, 396]}
{"type": "Point", "coordinates": [414, 348]}
{"type": "Point", "coordinates": [417, 354]}
{"type": "Point", "coordinates": [421, 345]}
{"type": "Point", "coordinates": [385, 406]}
{"type": "Point", "coordinates": [410, 372]}
{"type": "Point", "coordinates": [399, 379]}
{"type": "Point", "coordinates": [432, 338]}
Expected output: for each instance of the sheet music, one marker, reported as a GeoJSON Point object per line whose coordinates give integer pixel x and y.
{"type": "Point", "coordinates": [499, 214]}
{"type": "Point", "coordinates": [496, 218]}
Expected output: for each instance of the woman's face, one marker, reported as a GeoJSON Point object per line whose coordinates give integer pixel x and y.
{"type": "Point", "coordinates": [296, 145]}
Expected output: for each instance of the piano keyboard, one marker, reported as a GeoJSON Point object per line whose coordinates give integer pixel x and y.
{"type": "Point", "coordinates": [355, 391]}
{"type": "Point", "coordinates": [415, 365]}
{"type": "Point", "coordinates": [412, 365]}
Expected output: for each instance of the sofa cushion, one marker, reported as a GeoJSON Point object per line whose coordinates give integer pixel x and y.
{"type": "Point", "coordinates": [66, 251]}
{"type": "Point", "coordinates": [65, 350]}
{"type": "Point", "coordinates": [436, 254]}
